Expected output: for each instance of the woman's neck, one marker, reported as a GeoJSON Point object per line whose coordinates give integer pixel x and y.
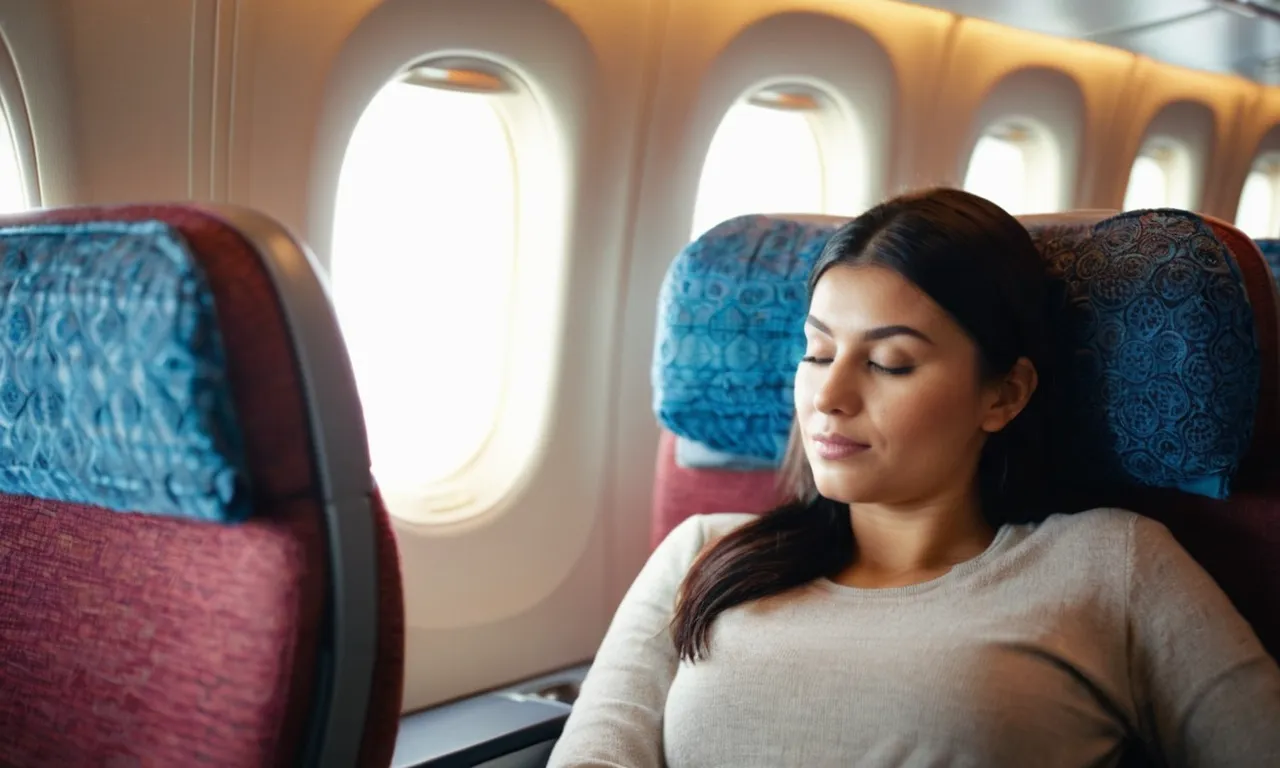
{"type": "Point", "coordinates": [894, 546]}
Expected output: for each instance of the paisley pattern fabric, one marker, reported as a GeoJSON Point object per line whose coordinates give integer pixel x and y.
{"type": "Point", "coordinates": [1271, 252]}
{"type": "Point", "coordinates": [1158, 357]}
{"type": "Point", "coordinates": [730, 334]}
{"type": "Point", "coordinates": [113, 386]}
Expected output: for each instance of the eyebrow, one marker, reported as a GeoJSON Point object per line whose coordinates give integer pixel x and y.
{"type": "Point", "coordinates": [875, 334]}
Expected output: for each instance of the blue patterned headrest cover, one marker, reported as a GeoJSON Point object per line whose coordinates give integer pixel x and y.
{"type": "Point", "coordinates": [1160, 366]}
{"type": "Point", "coordinates": [113, 386]}
{"type": "Point", "coordinates": [730, 334]}
{"type": "Point", "coordinates": [1271, 252]}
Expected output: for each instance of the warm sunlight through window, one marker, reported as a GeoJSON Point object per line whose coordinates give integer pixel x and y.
{"type": "Point", "coordinates": [1257, 212]}
{"type": "Point", "coordinates": [762, 160]}
{"type": "Point", "coordinates": [1162, 177]}
{"type": "Point", "coordinates": [13, 196]}
{"type": "Point", "coordinates": [1016, 164]}
{"type": "Point", "coordinates": [423, 264]}
{"type": "Point", "coordinates": [1148, 184]}
{"type": "Point", "coordinates": [998, 172]}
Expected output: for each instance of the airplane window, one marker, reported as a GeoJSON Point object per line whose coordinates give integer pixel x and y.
{"type": "Point", "coordinates": [998, 172]}
{"type": "Point", "coordinates": [13, 196]}
{"type": "Point", "coordinates": [1016, 167]}
{"type": "Point", "coordinates": [1256, 214]}
{"type": "Point", "coordinates": [764, 158]}
{"type": "Point", "coordinates": [423, 268]}
{"type": "Point", "coordinates": [1160, 178]}
{"type": "Point", "coordinates": [1148, 184]}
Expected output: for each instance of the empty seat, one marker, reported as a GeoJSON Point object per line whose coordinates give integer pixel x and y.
{"type": "Point", "coordinates": [195, 568]}
{"type": "Point", "coordinates": [730, 300]}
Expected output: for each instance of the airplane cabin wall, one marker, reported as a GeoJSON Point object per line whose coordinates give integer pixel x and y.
{"type": "Point", "coordinates": [252, 102]}
{"type": "Point", "coordinates": [36, 88]}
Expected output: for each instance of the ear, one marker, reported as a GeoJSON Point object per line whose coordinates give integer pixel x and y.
{"type": "Point", "coordinates": [1010, 395]}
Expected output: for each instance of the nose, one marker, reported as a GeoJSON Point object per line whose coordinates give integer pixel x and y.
{"type": "Point", "coordinates": [838, 392]}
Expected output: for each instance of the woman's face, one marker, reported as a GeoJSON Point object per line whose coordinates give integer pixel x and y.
{"type": "Point", "coordinates": [889, 398]}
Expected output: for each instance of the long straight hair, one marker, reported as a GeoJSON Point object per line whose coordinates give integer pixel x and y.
{"type": "Point", "coordinates": [980, 265]}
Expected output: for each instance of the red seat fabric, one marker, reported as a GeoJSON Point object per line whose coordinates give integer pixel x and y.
{"type": "Point", "coordinates": [680, 493]}
{"type": "Point", "coordinates": [1237, 540]}
{"type": "Point", "coordinates": [128, 639]}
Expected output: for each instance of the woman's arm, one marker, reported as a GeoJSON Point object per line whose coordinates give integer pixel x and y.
{"type": "Point", "coordinates": [617, 719]}
{"type": "Point", "coordinates": [1207, 692]}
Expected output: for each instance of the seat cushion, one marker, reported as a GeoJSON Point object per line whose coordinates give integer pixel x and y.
{"type": "Point", "coordinates": [118, 648]}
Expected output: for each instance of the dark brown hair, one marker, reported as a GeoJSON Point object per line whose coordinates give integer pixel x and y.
{"type": "Point", "coordinates": [981, 266]}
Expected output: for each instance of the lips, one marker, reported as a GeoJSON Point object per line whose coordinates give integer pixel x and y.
{"type": "Point", "coordinates": [833, 447]}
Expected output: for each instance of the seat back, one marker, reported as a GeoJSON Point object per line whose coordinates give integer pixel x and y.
{"type": "Point", "coordinates": [1270, 249]}
{"type": "Point", "coordinates": [195, 568]}
{"type": "Point", "coordinates": [1184, 430]}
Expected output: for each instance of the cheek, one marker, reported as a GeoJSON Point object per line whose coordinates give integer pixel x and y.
{"type": "Point", "coordinates": [934, 409]}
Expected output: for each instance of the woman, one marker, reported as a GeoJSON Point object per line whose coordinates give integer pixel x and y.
{"type": "Point", "coordinates": [913, 604]}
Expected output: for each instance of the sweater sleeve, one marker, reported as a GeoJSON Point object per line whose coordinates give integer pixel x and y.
{"type": "Point", "coordinates": [617, 718]}
{"type": "Point", "coordinates": [1207, 692]}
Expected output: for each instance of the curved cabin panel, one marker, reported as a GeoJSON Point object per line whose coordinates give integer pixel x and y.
{"type": "Point", "coordinates": [1193, 111]}
{"type": "Point", "coordinates": [1070, 88]}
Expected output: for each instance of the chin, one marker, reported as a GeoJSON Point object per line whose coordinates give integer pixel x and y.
{"type": "Point", "coordinates": [843, 486]}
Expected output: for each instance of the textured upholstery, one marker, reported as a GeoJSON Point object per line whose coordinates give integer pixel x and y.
{"type": "Point", "coordinates": [98, 320]}
{"type": "Point", "coordinates": [1159, 354]}
{"type": "Point", "coordinates": [728, 337]}
{"type": "Point", "coordinates": [149, 641]}
{"type": "Point", "coordinates": [680, 493]}
{"type": "Point", "coordinates": [1236, 539]}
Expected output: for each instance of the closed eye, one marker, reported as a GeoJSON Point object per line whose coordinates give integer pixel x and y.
{"type": "Point", "coordinates": [816, 360]}
{"type": "Point", "coordinates": [901, 370]}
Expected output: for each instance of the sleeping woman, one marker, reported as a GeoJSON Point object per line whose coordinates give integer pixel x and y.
{"type": "Point", "coordinates": [913, 604]}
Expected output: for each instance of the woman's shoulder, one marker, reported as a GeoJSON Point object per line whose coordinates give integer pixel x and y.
{"type": "Point", "coordinates": [1101, 522]}
{"type": "Point", "coordinates": [1119, 531]}
{"type": "Point", "coordinates": [697, 532]}
{"type": "Point", "coordinates": [716, 525]}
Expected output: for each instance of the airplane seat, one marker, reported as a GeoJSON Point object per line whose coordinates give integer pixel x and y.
{"type": "Point", "coordinates": [724, 361]}
{"type": "Point", "coordinates": [195, 567]}
{"type": "Point", "coordinates": [1270, 248]}
{"type": "Point", "coordinates": [1168, 342]}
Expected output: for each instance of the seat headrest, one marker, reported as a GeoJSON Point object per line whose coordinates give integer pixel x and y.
{"type": "Point", "coordinates": [730, 334]}
{"type": "Point", "coordinates": [1158, 360]}
{"type": "Point", "coordinates": [113, 386]}
{"type": "Point", "coordinates": [1157, 334]}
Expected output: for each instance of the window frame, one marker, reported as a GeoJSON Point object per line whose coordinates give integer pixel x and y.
{"type": "Point", "coordinates": [1267, 165]}
{"type": "Point", "coordinates": [17, 117]}
{"type": "Point", "coordinates": [1041, 161]}
{"type": "Point", "coordinates": [836, 138]}
{"type": "Point", "coordinates": [487, 480]}
{"type": "Point", "coordinates": [1174, 160]}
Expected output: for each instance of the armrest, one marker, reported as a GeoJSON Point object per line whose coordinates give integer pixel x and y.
{"type": "Point", "coordinates": [488, 726]}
